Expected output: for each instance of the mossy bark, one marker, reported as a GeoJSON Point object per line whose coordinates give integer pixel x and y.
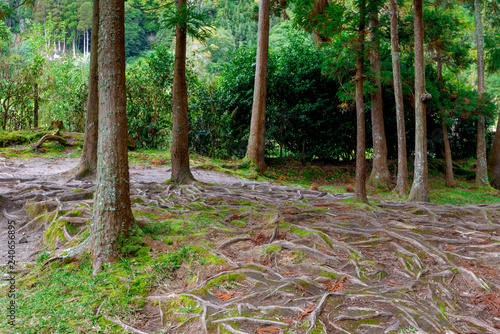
{"type": "Point", "coordinates": [402, 179]}
{"type": "Point", "coordinates": [380, 177]}
{"type": "Point", "coordinates": [179, 149]}
{"type": "Point", "coordinates": [360, 185]}
{"type": "Point", "coordinates": [112, 217]}
{"type": "Point", "coordinates": [420, 187]}
{"type": "Point", "coordinates": [481, 169]}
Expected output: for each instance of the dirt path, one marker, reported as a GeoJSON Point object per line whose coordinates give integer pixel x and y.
{"type": "Point", "coordinates": [293, 260]}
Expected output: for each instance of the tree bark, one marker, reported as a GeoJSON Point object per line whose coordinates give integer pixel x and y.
{"type": "Point", "coordinates": [35, 106]}
{"type": "Point", "coordinates": [447, 155]}
{"type": "Point", "coordinates": [179, 148]}
{"type": "Point", "coordinates": [360, 185]}
{"type": "Point", "coordinates": [112, 216]}
{"type": "Point", "coordinates": [256, 141]}
{"type": "Point", "coordinates": [446, 140]}
{"type": "Point", "coordinates": [482, 168]}
{"type": "Point", "coordinates": [402, 179]}
{"type": "Point", "coordinates": [420, 187]}
{"type": "Point", "coordinates": [380, 176]}
{"type": "Point", "coordinates": [494, 159]}
{"type": "Point", "coordinates": [88, 160]}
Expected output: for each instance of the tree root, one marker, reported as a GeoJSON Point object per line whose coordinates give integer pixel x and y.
{"type": "Point", "coordinates": [124, 326]}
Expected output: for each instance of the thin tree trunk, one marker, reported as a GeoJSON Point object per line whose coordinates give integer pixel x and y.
{"type": "Point", "coordinates": [179, 148]}
{"type": "Point", "coordinates": [256, 141]}
{"type": "Point", "coordinates": [74, 50]}
{"type": "Point", "coordinates": [112, 217]}
{"type": "Point", "coordinates": [402, 180]}
{"type": "Point", "coordinates": [380, 177]}
{"type": "Point", "coordinates": [446, 140]}
{"type": "Point", "coordinates": [482, 168]}
{"type": "Point", "coordinates": [360, 185]}
{"type": "Point", "coordinates": [494, 159]}
{"type": "Point", "coordinates": [35, 107]}
{"type": "Point", "coordinates": [88, 160]}
{"type": "Point", "coordinates": [447, 155]}
{"type": "Point", "coordinates": [420, 187]}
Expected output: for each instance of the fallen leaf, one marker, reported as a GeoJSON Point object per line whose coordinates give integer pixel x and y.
{"type": "Point", "coordinates": [309, 309]}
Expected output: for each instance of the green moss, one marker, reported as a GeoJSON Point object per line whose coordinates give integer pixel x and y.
{"type": "Point", "coordinates": [299, 231]}
{"type": "Point", "coordinates": [224, 279]}
{"type": "Point", "coordinates": [133, 244]}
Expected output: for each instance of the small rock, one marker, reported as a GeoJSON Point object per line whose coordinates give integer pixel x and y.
{"type": "Point", "coordinates": [23, 240]}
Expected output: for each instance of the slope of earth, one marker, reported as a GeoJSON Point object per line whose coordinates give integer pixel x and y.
{"type": "Point", "coordinates": [226, 255]}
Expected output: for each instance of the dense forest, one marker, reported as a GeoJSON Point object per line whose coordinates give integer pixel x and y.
{"type": "Point", "coordinates": [394, 92]}
{"type": "Point", "coordinates": [310, 107]}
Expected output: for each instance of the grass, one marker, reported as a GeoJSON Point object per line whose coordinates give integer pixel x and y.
{"type": "Point", "coordinates": [63, 298]}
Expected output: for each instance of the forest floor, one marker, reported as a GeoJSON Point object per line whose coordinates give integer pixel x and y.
{"type": "Point", "coordinates": [240, 253]}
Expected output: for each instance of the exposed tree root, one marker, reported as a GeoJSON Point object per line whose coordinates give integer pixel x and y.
{"type": "Point", "coordinates": [279, 251]}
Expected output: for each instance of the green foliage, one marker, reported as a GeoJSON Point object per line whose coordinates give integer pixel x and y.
{"type": "Point", "coordinates": [149, 94]}
{"type": "Point", "coordinates": [189, 17]}
{"type": "Point", "coordinates": [135, 36]}
{"type": "Point", "coordinates": [65, 93]}
{"type": "Point", "coordinates": [170, 262]}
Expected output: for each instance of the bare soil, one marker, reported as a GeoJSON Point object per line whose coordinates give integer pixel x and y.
{"type": "Point", "coordinates": [306, 260]}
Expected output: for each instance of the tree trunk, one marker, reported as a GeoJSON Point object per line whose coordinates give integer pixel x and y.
{"type": "Point", "coordinates": [179, 149]}
{"type": "Point", "coordinates": [380, 177]}
{"type": "Point", "coordinates": [5, 116]}
{"type": "Point", "coordinates": [481, 169]}
{"type": "Point", "coordinates": [35, 106]}
{"type": "Point", "coordinates": [446, 140]}
{"type": "Point", "coordinates": [420, 187]}
{"type": "Point", "coordinates": [74, 50]}
{"type": "Point", "coordinates": [402, 181]}
{"type": "Point", "coordinates": [360, 186]}
{"type": "Point", "coordinates": [88, 160]}
{"type": "Point", "coordinates": [112, 216]}
{"type": "Point", "coordinates": [447, 155]}
{"type": "Point", "coordinates": [494, 159]}
{"type": "Point", "coordinates": [256, 141]}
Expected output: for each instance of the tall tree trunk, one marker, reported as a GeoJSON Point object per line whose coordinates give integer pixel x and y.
{"type": "Point", "coordinates": [446, 140]}
{"type": "Point", "coordinates": [179, 148]}
{"type": "Point", "coordinates": [380, 177]}
{"type": "Point", "coordinates": [402, 181]}
{"type": "Point", "coordinates": [494, 159]}
{"type": "Point", "coordinates": [35, 106]}
{"type": "Point", "coordinates": [74, 48]}
{"type": "Point", "coordinates": [360, 185]}
{"type": "Point", "coordinates": [447, 155]}
{"type": "Point", "coordinates": [482, 168]}
{"type": "Point", "coordinates": [256, 141]}
{"type": "Point", "coordinates": [420, 187]}
{"type": "Point", "coordinates": [88, 160]}
{"type": "Point", "coordinates": [112, 217]}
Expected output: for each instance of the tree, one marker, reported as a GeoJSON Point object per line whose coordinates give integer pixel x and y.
{"type": "Point", "coordinates": [402, 179]}
{"type": "Point", "coordinates": [256, 141]}
{"type": "Point", "coordinates": [88, 160]}
{"type": "Point", "coordinates": [187, 21]}
{"type": "Point", "coordinates": [360, 184]}
{"type": "Point", "coordinates": [481, 169]}
{"type": "Point", "coordinates": [380, 176]}
{"type": "Point", "coordinates": [179, 149]}
{"type": "Point", "coordinates": [112, 216]}
{"type": "Point", "coordinates": [420, 187]}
